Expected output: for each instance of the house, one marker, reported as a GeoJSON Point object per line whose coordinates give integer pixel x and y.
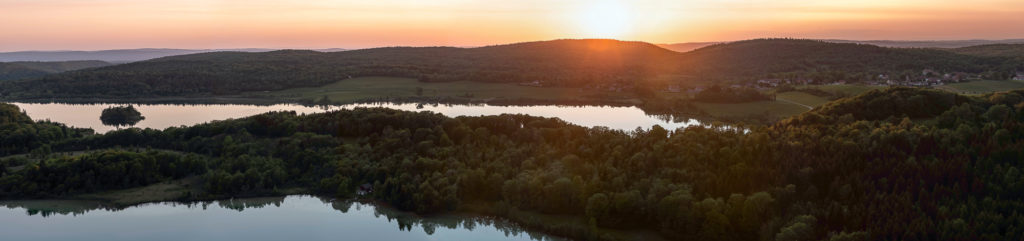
{"type": "Point", "coordinates": [765, 83]}
{"type": "Point", "coordinates": [1019, 76]}
{"type": "Point", "coordinates": [957, 77]}
{"type": "Point", "coordinates": [364, 189]}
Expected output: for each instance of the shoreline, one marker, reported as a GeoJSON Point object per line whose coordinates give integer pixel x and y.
{"type": "Point", "coordinates": [564, 227]}
{"type": "Point", "coordinates": [92, 204]}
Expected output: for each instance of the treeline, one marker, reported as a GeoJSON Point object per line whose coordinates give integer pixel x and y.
{"type": "Point", "coordinates": [98, 171]}
{"type": "Point", "coordinates": [896, 164]}
{"type": "Point", "coordinates": [574, 63]}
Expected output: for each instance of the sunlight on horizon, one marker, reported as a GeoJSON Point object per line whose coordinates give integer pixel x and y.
{"type": "Point", "coordinates": [111, 24]}
{"type": "Point", "coordinates": [605, 19]}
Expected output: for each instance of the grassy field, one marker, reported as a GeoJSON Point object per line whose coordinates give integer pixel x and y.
{"type": "Point", "coordinates": [356, 89]}
{"type": "Point", "coordinates": [802, 98]}
{"type": "Point", "coordinates": [771, 108]}
{"type": "Point", "coordinates": [983, 86]}
{"type": "Point", "coordinates": [849, 90]}
{"type": "Point", "coordinates": [163, 191]}
{"type": "Point", "coordinates": [787, 104]}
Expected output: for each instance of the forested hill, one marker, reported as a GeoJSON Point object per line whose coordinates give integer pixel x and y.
{"type": "Point", "coordinates": [805, 58]}
{"type": "Point", "coordinates": [22, 70]}
{"type": "Point", "coordinates": [993, 50]}
{"type": "Point", "coordinates": [564, 62]}
{"type": "Point", "coordinates": [558, 62]}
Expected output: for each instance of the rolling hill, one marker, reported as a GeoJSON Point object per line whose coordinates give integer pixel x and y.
{"type": "Point", "coordinates": [687, 47]}
{"type": "Point", "coordinates": [571, 63]}
{"type": "Point", "coordinates": [993, 50]}
{"type": "Point", "coordinates": [943, 44]}
{"type": "Point", "coordinates": [563, 62]}
{"type": "Point", "coordinates": [118, 55]}
{"type": "Point", "coordinates": [22, 70]}
{"type": "Point", "coordinates": [820, 59]}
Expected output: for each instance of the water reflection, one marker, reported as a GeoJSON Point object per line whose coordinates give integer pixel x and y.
{"type": "Point", "coordinates": [160, 116]}
{"type": "Point", "coordinates": [292, 217]}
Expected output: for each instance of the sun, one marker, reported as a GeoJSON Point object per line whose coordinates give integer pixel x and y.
{"type": "Point", "coordinates": [604, 19]}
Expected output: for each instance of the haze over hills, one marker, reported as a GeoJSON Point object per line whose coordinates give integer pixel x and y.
{"type": "Point", "coordinates": [690, 46]}
{"type": "Point", "coordinates": [993, 50]}
{"type": "Point", "coordinates": [687, 47]}
{"type": "Point", "coordinates": [571, 63]}
{"type": "Point", "coordinates": [22, 70]}
{"type": "Point", "coordinates": [118, 55]}
{"type": "Point", "coordinates": [929, 43]}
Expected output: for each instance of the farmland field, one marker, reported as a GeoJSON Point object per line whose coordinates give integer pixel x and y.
{"type": "Point", "coordinates": [771, 108]}
{"type": "Point", "coordinates": [983, 86]}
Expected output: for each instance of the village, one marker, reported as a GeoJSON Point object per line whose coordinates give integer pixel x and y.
{"type": "Point", "coordinates": [927, 77]}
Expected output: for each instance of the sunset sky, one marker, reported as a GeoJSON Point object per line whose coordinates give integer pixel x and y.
{"type": "Point", "coordinates": [112, 24]}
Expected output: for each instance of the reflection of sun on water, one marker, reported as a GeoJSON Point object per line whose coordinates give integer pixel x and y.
{"type": "Point", "coordinates": [604, 19]}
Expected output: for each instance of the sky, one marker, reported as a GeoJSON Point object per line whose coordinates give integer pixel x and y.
{"type": "Point", "coordinates": [208, 24]}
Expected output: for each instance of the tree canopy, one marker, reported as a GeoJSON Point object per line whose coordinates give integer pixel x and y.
{"type": "Point", "coordinates": [121, 116]}
{"type": "Point", "coordinates": [876, 166]}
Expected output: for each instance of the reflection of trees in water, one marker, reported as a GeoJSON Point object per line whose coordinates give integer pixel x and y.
{"type": "Point", "coordinates": [47, 208]}
{"type": "Point", "coordinates": [242, 203]}
{"type": "Point", "coordinates": [406, 221]}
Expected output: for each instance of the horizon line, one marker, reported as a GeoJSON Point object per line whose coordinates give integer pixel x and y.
{"type": "Point", "coordinates": [506, 43]}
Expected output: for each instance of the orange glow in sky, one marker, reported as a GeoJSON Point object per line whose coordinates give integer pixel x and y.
{"type": "Point", "coordinates": [110, 24]}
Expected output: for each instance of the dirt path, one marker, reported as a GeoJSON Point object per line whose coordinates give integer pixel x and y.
{"type": "Point", "coordinates": [792, 102]}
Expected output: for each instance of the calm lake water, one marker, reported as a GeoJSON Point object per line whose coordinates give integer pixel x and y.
{"type": "Point", "coordinates": [160, 116]}
{"type": "Point", "coordinates": [281, 218]}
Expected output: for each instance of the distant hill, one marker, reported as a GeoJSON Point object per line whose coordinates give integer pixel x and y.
{"type": "Point", "coordinates": [822, 60]}
{"type": "Point", "coordinates": [22, 70]}
{"type": "Point", "coordinates": [563, 62]}
{"type": "Point", "coordinates": [993, 50]}
{"type": "Point", "coordinates": [117, 55]}
{"type": "Point", "coordinates": [690, 46]}
{"type": "Point", "coordinates": [687, 47]}
{"type": "Point", "coordinates": [927, 44]}
{"type": "Point", "coordinates": [571, 63]}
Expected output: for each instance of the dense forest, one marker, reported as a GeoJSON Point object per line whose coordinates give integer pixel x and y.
{"type": "Point", "coordinates": [24, 70]}
{"type": "Point", "coordinates": [575, 63]}
{"type": "Point", "coordinates": [895, 164]}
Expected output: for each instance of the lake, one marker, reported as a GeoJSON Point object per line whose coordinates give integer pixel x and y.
{"type": "Point", "coordinates": [279, 218]}
{"type": "Point", "coordinates": [160, 116]}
